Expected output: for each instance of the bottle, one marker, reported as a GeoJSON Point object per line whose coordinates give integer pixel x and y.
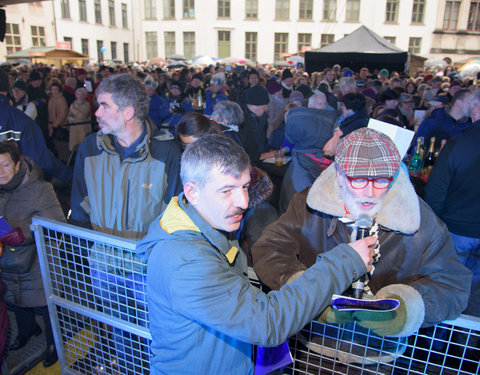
{"type": "Point", "coordinates": [416, 162]}
{"type": "Point", "coordinates": [430, 158]}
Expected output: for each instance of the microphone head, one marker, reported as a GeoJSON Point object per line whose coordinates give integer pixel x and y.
{"type": "Point", "coordinates": [364, 221]}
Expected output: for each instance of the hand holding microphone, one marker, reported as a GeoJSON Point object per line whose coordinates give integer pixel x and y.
{"type": "Point", "coordinates": [364, 248]}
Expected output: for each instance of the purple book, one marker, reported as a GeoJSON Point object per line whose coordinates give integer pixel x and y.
{"type": "Point", "coordinates": [271, 359]}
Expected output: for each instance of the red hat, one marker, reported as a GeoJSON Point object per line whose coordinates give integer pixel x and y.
{"type": "Point", "coordinates": [80, 72]}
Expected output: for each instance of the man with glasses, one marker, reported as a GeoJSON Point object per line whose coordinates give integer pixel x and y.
{"type": "Point", "coordinates": [415, 259]}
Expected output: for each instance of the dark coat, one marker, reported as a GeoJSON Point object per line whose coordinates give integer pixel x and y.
{"type": "Point", "coordinates": [33, 197]}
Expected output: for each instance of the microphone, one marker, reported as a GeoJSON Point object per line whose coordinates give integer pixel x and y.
{"type": "Point", "coordinates": [363, 224]}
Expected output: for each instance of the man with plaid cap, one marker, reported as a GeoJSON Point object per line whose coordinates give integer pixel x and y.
{"type": "Point", "coordinates": [415, 258]}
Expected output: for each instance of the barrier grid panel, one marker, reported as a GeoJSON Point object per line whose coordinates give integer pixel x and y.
{"type": "Point", "coordinates": [96, 295]}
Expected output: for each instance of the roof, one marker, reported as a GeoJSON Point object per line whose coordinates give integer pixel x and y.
{"type": "Point", "coordinates": [362, 40]}
{"type": "Point", "coordinates": [47, 52]}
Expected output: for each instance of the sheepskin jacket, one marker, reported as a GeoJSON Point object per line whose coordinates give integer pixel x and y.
{"type": "Point", "coordinates": [415, 246]}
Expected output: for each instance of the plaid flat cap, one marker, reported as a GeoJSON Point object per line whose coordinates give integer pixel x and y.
{"type": "Point", "coordinates": [367, 153]}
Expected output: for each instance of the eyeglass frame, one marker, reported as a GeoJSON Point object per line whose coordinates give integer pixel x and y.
{"type": "Point", "coordinates": [368, 180]}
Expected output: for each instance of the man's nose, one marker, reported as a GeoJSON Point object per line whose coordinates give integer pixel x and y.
{"type": "Point", "coordinates": [241, 199]}
{"type": "Point", "coordinates": [98, 112]}
{"type": "Point", "coordinates": [369, 190]}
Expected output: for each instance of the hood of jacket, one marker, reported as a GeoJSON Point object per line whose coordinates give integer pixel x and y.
{"type": "Point", "coordinates": [309, 129]}
{"type": "Point", "coordinates": [400, 210]}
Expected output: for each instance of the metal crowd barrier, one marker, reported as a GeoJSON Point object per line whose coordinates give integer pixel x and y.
{"type": "Point", "coordinates": [96, 298]}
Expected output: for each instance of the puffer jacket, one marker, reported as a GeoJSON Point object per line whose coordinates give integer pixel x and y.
{"type": "Point", "coordinates": [33, 197]}
{"type": "Point", "coordinates": [415, 246]}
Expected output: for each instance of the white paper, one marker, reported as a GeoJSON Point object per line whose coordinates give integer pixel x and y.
{"type": "Point", "coordinates": [400, 136]}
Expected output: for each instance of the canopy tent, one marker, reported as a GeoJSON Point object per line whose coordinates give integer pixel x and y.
{"type": "Point", "coordinates": [361, 48]}
{"type": "Point", "coordinates": [49, 55]}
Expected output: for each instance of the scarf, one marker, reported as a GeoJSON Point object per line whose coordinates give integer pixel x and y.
{"type": "Point", "coordinates": [15, 181]}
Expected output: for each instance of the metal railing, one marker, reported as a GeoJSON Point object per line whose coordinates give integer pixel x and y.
{"type": "Point", "coordinates": [96, 296]}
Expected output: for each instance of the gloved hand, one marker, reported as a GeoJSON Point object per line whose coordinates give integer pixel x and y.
{"type": "Point", "coordinates": [13, 238]}
{"type": "Point", "coordinates": [334, 316]}
{"type": "Point", "coordinates": [403, 321]}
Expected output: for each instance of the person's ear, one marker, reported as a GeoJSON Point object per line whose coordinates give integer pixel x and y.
{"type": "Point", "coordinates": [129, 113]}
{"type": "Point", "coordinates": [339, 178]}
{"type": "Point", "coordinates": [190, 189]}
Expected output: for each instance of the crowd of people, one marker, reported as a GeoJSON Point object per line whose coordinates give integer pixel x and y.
{"type": "Point", "coordinates": [279, 163]}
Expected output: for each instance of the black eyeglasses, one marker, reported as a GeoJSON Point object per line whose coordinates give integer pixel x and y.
{"type": "Point", "coordinates": [362, 182]}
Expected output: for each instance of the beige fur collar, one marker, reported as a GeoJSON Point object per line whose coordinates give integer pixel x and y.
{"type": "Point", "coordinates": [400, 211]}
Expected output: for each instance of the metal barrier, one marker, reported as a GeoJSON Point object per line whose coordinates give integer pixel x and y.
{"type": "Point", "coordinates": [96, 297]}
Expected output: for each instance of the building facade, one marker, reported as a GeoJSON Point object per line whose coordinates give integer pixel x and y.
{"type": "Point", "coordinates": [260, 30]}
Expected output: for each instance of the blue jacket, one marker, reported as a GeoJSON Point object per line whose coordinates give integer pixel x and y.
{"type": "Point", "coordinates": [155, 109]}
{"type": "Point", "coordinates": [180, 106]}
{"type": "Point", "coordinates": [205, 316]}
{"type": "Point", "coordinates": [31, 140]}
{"type": "Point", "coordinates": [212, 99]}
{"type": "Point", "coordinates": [440, 125]}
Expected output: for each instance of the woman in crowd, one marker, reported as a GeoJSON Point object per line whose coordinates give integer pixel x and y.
{"type": "Point", "coordinates": [57, 119]}
{"type": "Point", "coordinates": [23, 194]}
{"type": "Point", "coordinates": [80, 113]}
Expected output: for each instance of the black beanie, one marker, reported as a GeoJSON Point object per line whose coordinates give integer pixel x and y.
{"type": "Point", "coordinates": [287, 74]}
{"type": "Point", "coordinates": [257, 95]}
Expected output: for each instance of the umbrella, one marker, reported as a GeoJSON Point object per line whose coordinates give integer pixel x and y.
{"type": "Point", "coordinates": [281, 63]}
{"type": "Point", "coordinates": [176, 56]}
{"type": "Point", "coordinates": [21, 62]}
{"type": "Point", "coordinates": [177, 64]}
{"type": "Point", "coordinates": [202, 60]}
{"type": "Point", "coordinates": [435, 64]}
{"type": "Point", "coordinates": [229, 60]}
{"type": "Point", "coordinates": [296, 60]}
{"type": "Point", "coordinates": [470, 69]}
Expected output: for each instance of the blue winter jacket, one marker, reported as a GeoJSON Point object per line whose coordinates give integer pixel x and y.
{"type": "Point", "coordinates": [205, 316]}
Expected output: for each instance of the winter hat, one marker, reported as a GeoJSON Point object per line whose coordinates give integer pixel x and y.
{"type": "Point", "coordinates": [198, 76]}
{"type": "Point", "coordinates": [384, 71]}
{"type": "Point", "coordinates": [35, 75]}
{"type": "Point", "coordinates": [218, 79]}
{"type": "Point", "coordinates": [305, 90]}
{"type": "Point", "coordinates": [286, 74]}
{"type": "Point", "coordinates": [80, 72]}
{"type": "Point", "coordinates": [20, 84]}
{"type": "Point", "coordinates": [273, 86]}
{"type": "Point", "coordinates": [256, 95]}
{"type": "Point", "coordinates": [367, 153]}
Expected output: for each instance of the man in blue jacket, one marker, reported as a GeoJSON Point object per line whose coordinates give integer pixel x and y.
{"type": "Point", "coordinates": [205, 316]}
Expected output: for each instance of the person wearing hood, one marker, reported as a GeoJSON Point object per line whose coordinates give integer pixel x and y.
{"type": "Point", "coordinates": [216, 92]}
{"type": "Point", "coordinates": [287, 83]}
{"type": "Point", "coordinates": [415, 259]}
{"type": "Point", "coordinates": [354, 113]}
{"type": "Point", "coordinates": [308, 130]}
{"type": "Point", "coordinates": [23, 195]}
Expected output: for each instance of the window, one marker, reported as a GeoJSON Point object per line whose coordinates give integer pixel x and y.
{"type": "Point", "coordinates": [99, 50]}
{"type": "Point", "coordinates": [65, 7]}
{"type": "Point", "coordinates": [151, 44]}
{"type": "Point", "coordinates": [304, 40]}
{"type": "Point", "coordinates": [329, 10]}
{"type": "Point", "coordinates": [82, 10]}
{"type": "Point", "coordinates": [189, 44]}
{"type": "Point", "coordinates": [223, 9]}
{"type": "Point", "coordinates": [113, 48]}
{"type": "Point", "coordinates": [474, 16]}
{"type": "Point", "coordinates": [450, 18]}
{"type": "Point", "coordinates": [414, 45]}
{"type": "Point", "coordinates": [391, 39]}
{"type": "Point", "coordinates": [69, 40]}
{"type": "Point", "coordinates": [124, 15]}
{"type": "Point", "coordinates": [126, 59]}
{"type": "Point", "coordinates": [251, 46]}
{"type": "Point", "coordinates": [326, 39]}
{"type": "Point", "coordinates": [223, 43]}
{"type": "Point", "coordinates": [150, 9]}
{"type": "Point", "coordinates": [305, 11]}
{"type": "Point", "coordinates": [169, 9]}
{"type": "Point", "coordinates": [391, 14]}
{"type": "Point", "coordinates": [282, 9]}
{"type": "Point", "coordinates": [84, 46]}
{"type": "Point", "coordinates": [38, 36]}
{"type": "Point", "coordinates": [418, 11]}
{"type": "Point", "coordinates": [98, 11]}
{"type": "Point", "coordinates": [12, 38]}
{"type": "Point", "coordinates": [251, 9]}
{"type": "Point", "coordinates": [352, 11]}
{"type": "Point", "coordinates": [281, 45]}
{"type": "Point", "coordinates": [170, 46]}
{"type": "Point", "coordinates": [111, 12]}
{"type": "Point", "coordinates": [188, 8]}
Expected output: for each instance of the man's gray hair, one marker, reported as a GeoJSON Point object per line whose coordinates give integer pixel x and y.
{"type": "Point", "coordinates": [126, 91]}
{"type": "Point", "coordinates": [208, 152]}
{"type": "Point", "coordinates": [229, 111]}
{"type": "Point", "coordinates": [313, 100]}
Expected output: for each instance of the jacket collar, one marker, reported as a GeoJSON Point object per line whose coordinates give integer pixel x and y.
{"type": "Point", "coordinates": [400, 210]}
